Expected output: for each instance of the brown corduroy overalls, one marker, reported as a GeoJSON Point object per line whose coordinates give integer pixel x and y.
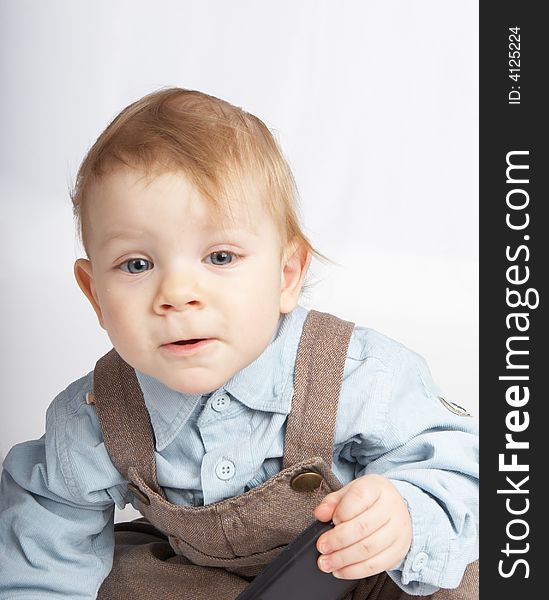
{"type": "Point", "coordinates": [213, 551]}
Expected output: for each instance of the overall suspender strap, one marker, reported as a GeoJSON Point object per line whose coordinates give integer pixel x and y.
{"type": "Point", "coordinates": [317, 381]}
{"type": "Point", "coordinates": [124, 418]}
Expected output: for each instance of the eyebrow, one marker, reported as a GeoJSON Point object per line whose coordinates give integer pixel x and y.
{"type": "Point", "coordinates": [137, 234]}
{"type": "Point", "coordinates": [211, 228]}
{"type": "Point", "coordinates": [122, 235]}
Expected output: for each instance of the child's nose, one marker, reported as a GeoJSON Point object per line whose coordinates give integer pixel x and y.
{"type": "Point", "coordinates": [176, 290]}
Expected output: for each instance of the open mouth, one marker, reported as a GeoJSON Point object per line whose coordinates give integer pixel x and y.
{"type": "Point", "coordinates": [185, 347]}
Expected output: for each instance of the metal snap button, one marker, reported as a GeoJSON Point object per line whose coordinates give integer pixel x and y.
{"type": "Point", "coordinates": [141, 496]}
{"type": "Point", "coordinates": [306, 482]}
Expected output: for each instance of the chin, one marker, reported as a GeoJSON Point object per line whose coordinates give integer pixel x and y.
{"type": "Point", "coordinates": [198, 387]}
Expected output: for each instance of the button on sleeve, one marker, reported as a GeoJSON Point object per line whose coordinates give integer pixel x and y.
{"type": "Point", "coordinates": [419, 561]}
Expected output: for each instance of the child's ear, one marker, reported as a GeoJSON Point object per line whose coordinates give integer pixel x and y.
{"type": "Point", "coordinates": [294, 269]}
{"type": "Point", "coordinates": [84, 277]}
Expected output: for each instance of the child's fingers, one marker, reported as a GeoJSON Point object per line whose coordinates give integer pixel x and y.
{"type": "Point", "coordinates": [349, 501]}
{"type": "Point", "coordinates": [360, 495]}
{"type": "Point", "coordinates": [324, 511]}
{"type": "Point", "coordinates": [383, 561]}
{"type": "Point", "coordinates": [359, 552]}
{"type": "Point", "coordinates": [350, 532]}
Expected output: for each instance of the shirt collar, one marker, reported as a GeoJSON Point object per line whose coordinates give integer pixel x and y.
{"type": "Point", "coordinates": [265, 384]}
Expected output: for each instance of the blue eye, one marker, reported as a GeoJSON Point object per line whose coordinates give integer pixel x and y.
{"type": "Point", "coordinates": [136, 265]}
{"type": "Point", "coordinates": [223, 255]}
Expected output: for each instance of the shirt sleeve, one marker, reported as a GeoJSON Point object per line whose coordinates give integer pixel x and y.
{"type": "Point", "coordinates": [428, 448]}
{"type": "Point", "coordinates": [56, 532]}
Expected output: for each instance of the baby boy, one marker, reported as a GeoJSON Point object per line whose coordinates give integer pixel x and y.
{"type": "Point", "coordinates": [195, 265]}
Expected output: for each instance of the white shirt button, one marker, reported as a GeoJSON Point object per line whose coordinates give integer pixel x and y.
{"type": "Point", "coordinates": [419, 561]}
{"type": "Point", "coordinates": [225, 470]}
{"type": "Point", "coordinates": [221, 403]}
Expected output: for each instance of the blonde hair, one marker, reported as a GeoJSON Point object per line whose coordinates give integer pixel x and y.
{"type": "Point", "coordinates": [226, 152]}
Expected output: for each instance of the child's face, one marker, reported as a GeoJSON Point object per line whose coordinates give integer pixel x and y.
{"type": "Point", "coordinates": [162, 269]}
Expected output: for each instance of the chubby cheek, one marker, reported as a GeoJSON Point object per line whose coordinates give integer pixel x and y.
{"type": "Point", "coordinates": [122, 319]}
{"type": "Point", "coordinates": [255, 307]}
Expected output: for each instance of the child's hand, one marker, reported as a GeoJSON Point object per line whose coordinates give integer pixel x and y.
{"type": "Point", "coordinates": [373, 529]}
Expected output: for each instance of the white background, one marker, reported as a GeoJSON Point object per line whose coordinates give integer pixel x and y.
{"type": "Point", "coordinates": [375, 106]}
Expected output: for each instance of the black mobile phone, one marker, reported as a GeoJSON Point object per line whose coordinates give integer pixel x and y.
{"type": "Point", "coordinates": [294, 573]}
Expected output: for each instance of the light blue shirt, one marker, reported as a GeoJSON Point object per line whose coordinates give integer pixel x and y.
{"type": "Point", "coordinates": [57, 493]}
